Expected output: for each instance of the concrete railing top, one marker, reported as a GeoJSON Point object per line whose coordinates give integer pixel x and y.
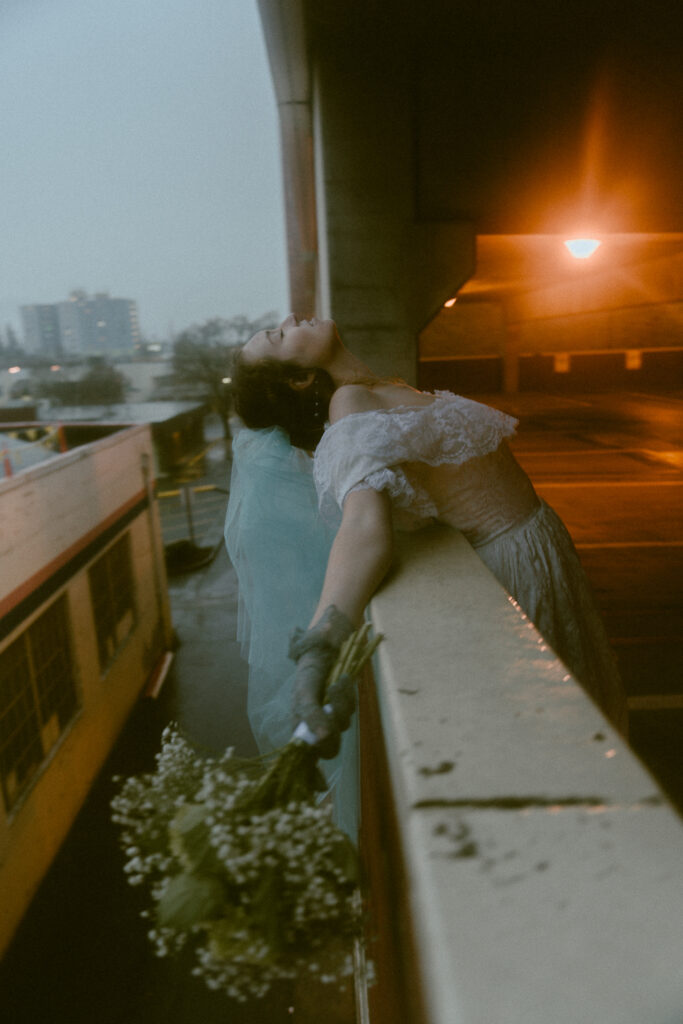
{"type": "Point", "coordinates": [544, 865]}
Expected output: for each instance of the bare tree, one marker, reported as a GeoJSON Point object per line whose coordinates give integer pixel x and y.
{"type": "Point", "coordinates": [203, 354]}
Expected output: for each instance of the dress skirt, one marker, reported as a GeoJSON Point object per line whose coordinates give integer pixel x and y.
{"type": "Point", "coordinates": [538, 565]}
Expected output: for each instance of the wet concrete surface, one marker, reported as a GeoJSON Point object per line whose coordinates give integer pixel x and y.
{"type": "Point", "coordinates": [81, 955]}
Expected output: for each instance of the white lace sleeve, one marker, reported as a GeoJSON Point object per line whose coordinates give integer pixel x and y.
{"type": "Point", "coordinates": [366, 449]}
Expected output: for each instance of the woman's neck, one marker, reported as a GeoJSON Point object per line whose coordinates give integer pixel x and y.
{"type": "Point", "coordinates": [345, 368]}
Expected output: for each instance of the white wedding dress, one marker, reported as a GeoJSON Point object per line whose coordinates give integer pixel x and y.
{"type": "Point", "coordinates": [449, 462]}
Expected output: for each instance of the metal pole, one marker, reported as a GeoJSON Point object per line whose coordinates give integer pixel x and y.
{"type": "Point", "coordinates": [156, 542]}
{"type": "Point", "coordinates": [187, 496]}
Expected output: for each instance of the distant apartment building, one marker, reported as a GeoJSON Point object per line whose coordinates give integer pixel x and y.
{"type": "Point", "coordinates": [98, 325]}
{"type": "Point", "coordinates": [84, 627]}
{"type": "Point", "coordinates": [42, 335]}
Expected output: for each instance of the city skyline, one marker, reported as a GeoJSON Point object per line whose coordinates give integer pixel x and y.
{"type": "Point", "coordinates": [140, 158]}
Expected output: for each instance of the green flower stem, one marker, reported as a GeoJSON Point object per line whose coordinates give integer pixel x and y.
{"type": "Point", "coordinates": [354, 654]}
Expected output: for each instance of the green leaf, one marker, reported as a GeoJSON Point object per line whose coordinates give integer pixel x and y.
{"type": "Point", "coordinates": [189, 838]}
{"type": "Point", "coordinates": [267, 911]}
{"type": "Point", "coordinates": [189, 900]}
{"type": "Point", "coordinates": [345, 856]}
{"type": "Point", "coordinates": [227, 935]}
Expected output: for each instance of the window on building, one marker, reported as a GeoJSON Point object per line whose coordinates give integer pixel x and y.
{"type": "Point", "coordinates": [38, 698]}
{"type": "Point", "coordinates": [113, 599]}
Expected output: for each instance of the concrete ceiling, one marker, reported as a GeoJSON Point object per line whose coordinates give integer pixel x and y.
{"type": "Point", "coordinates": [530, 115]}
{"type": "Point", "coordinates": [531, 119]}
{"type": "Point", "coordinates": [543, 117]}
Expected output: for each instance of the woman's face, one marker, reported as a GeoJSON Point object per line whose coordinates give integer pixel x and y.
{"type": "Point", "coordinates": [308, 343]}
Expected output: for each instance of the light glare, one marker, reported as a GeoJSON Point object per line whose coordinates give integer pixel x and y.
{"type": "Point", "coordinates": [582, 248]}
{"type": "Point", "coordinates": [450, 302]}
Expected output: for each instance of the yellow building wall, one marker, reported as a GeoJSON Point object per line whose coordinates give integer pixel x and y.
{"type": "Point", "coordinates": [32, 832]}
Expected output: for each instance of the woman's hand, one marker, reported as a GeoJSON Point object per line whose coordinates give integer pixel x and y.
{"type": "Point", "coordinates": [360, 557]}
{"type": "Point", "coordinates": [315, 653]}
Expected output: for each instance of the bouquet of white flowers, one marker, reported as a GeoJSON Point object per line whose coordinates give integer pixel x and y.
{"type": "Point", "coordinates": [243, 861]}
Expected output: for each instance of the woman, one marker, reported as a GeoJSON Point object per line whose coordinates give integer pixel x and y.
{"type": "Point", "coordinates": [394, 456]}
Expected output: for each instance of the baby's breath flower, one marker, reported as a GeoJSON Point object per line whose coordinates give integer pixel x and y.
{"type": "Point", "coordinates": [258, 880]}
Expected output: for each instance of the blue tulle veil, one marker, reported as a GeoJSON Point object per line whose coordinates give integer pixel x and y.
{"type": "Point", "coordinates": [278, 544]}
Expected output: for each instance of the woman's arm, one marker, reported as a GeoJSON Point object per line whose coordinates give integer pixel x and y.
{"type": "Point", "coordinates": [362, 550]}
{"type": "Point", "coordinates": [359, 559]}
{"type": "Point", "coordinates": [360, 556]}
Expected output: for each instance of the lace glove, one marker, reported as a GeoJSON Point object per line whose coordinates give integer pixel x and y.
{"type": "Point", "coordinates": [315, 652]}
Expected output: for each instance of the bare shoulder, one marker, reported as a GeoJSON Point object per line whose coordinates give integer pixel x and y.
{"type": "Point", "coordinates": [350, 398]}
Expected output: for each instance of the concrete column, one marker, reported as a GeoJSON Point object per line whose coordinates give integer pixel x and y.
{"type": "Point", "coordinates": [387, 274]}
{"type": "Point", "coordinates": [285, 36]}
{"type": "Point", "coordinates": [300, 214]}
{"type": "Point", "coordinates": [440, 258]}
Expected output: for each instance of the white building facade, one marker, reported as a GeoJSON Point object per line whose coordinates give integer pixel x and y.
{"type": "Point", "coordinates": [42, 334]}
{"type": "Point", "coordinates": [83, 325]}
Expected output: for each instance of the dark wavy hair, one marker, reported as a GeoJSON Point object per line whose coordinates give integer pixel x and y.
{"type": "Point", "coordinates": [264, 397]}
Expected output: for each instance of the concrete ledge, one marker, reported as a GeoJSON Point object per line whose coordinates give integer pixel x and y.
{"type": "Point", "coordinates": [544, 867]}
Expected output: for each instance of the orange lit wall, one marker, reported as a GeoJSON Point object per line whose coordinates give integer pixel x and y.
{"type": "Point", "coordinates": [633, 306]}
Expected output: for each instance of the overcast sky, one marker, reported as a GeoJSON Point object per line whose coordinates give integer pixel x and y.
{"type": "Point", "coordinates": [139, 156]}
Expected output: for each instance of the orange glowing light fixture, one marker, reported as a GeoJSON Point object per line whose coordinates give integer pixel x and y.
{"type": "Point", "coordinates": [582, 248]}
{"type": "Point", "coordinates": [450, 302]}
